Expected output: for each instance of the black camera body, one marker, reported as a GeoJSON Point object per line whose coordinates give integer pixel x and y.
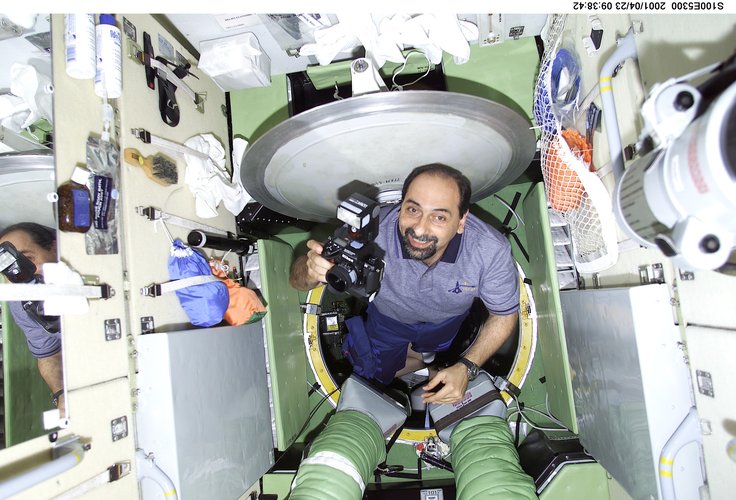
{"type": "Point", "coordinates": [358, 268]}
{"type": "Point", "coordinates": [19, 269]}
{"type": "Point", "coordinates": [14, 265]}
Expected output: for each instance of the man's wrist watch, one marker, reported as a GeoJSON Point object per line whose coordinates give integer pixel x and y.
{"type": "Point", "coordinates": [472, 368]}
{"type": "Point", "coordinates": [55, 398]}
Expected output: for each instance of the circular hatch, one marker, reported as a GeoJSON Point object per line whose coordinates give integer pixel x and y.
{"type": "Point", "coordinates": [512, 361]}
{"type": "Point", "coordinates": [305, 166]}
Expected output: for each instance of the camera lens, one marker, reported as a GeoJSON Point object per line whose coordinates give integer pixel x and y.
{"type": "Point", "coordinates": [341, 278]}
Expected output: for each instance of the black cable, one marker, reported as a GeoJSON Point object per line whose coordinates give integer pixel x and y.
{"type": "Point", "coordinates": [314, 411]}
{"type": "Point", "coordinates": [309, 419]}
{"type": "Point", "coordinates": [437, 462]}
{"type": "Point", "coordinates": [511, 207]}
{"type": "Point", "coordinates": [313, 388]}
{"type": "Point", "coordinates": [518, 425]}
{"type": "Point", "coordinates": [382, 468]}
{"type": "Point", "coordinates": [520, 407]}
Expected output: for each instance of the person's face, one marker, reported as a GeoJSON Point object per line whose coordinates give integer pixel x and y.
{"type": "Point", "coordinates": [430, 217]}
{"type": "Point", "coordinates": [23, 242]}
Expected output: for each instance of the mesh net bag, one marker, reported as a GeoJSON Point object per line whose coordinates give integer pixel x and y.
{"type": "Point", "coordinates": [573, 191]}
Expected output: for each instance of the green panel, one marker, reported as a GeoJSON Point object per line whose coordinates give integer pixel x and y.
{"type": "Point", "coordinates": [551, 333]}
{"type": "Point", "coordinates": [492, 211]}
{"type": "Point", "coordinates": [287, 357]}
{"type": "Point", "coordinates": [255, 111]}
{"type": "Point", "coordinates": [26, 395]}
{"type": "Point", "coordinates": [277, 484]}
{"type": "Point", "coordinates": [578, 482]}
{"type": "Point", "coordinates": [323, 77]}
{"type": "Point", "coordinates": [534, 391]}
{"type": "Point", "coordinates": [504, 73]}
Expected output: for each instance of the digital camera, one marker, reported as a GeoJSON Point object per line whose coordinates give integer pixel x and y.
{"type": "Point", "coordinates": [358, 268]}
{"type": "Point", "coordinates": [19, 269]}
{"type": "Point", "coordinates": [14, 265]}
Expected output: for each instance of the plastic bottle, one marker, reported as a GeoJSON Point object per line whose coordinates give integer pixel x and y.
{"type": "Point", "coordinates": [109, 76]}
{"type": "Point", "coordinates": [79, 37]}
{"type": "Point", "coordinates": [75, 205]}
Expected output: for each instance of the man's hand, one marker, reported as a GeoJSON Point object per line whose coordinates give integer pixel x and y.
{"type": "Point", "coordinates": [455, 380]}
{"type": "Point", "coordinates": [317, 266]}
{"type": "Point", "coordinates": [309, 270]}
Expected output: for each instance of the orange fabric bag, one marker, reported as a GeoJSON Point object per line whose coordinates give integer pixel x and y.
{"type": "Point", "coordinates": [564, 188]}
{"type": "Point", "coordinates": [245, 306]}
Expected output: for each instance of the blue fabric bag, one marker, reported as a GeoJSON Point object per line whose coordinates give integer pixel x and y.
{"type": "Point", "coordinates": [206, 303]}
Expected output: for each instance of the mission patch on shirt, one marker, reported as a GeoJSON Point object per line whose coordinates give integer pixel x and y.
{"type": "Point", "coordinates": [476, 263]}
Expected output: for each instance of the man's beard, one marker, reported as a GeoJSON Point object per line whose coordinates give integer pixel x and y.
{"type": "Point", "coordinates": [419, 253]}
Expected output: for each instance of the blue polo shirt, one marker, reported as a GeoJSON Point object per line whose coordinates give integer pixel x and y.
{"type": "Point", "coordinates": [425, 305]}
{"type": "Point", "coordinates": [476, 263]}
{"type": "Point", "coordinates": [41, 343]}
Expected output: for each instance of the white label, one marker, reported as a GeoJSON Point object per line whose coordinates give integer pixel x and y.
{"type": "Point", "coordinates": [435, 494]}
{"type": "Point", "coordinates": [236, 21]}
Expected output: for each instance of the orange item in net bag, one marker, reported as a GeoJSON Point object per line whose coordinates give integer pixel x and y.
{"type": "Point", "coordinates": [244, 306]}
{"type": "Point", "coordinates": [564, 188]}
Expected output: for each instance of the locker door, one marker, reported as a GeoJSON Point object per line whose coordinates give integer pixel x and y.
{"type": "Point", "coordinates": [543, 273]}
{"type": "Point", "coordinates": [286, 354]}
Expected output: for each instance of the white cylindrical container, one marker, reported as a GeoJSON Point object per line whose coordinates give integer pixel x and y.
{"type": "Point", "coordinates": [79, 37]}
{"type": "Point", "coordinates": [109, 77]}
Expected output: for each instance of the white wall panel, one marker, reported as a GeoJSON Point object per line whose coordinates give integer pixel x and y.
{"type": "Point", "coordinates": [203, 410]}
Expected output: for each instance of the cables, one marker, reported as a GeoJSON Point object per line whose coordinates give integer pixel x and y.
{"type": "Point", "coordinates": [306, 423]}
{"type": "Point", "coordinates": [396, 86]}
{"type": "Point", "coordinates": [519, 220]}
{"type": "Point", "coordinates": [521, 408]}
{"type": "Point", "coordinates": [314, 412]}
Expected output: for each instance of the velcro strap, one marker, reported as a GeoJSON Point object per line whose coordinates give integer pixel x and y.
{"type": "Point", "coordinates": [167, 106]}
{"type": "Point", "coordinates": [164, 73]}
{"type": "Point", "coordinates": [156, 289]}
{"type": "Point", "coordinates": [466, 410]}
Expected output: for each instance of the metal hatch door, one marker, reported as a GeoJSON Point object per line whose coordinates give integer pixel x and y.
{"type": "Point", "coordinates": [286, 357]}
{"type": "Point", "coordinates": [543, 273]}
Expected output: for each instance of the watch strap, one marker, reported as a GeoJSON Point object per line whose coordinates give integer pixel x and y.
{"type": "Point", "coordinates": [55, 397]}
{"type": "Point", "coordinates": [472, 368]}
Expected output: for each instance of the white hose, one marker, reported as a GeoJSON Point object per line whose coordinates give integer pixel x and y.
{"type": "Point", "coordinates": [626, 50]}
{"type": "Point", "coordinates": [687, 432]}
{"type": "Point", "coordinates": [47, 470]}
{"type": "Point", "coordinates": [146, 468]}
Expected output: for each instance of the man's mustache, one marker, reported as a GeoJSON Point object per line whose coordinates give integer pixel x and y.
{"type": "Point", "coordinates": [421, 239]}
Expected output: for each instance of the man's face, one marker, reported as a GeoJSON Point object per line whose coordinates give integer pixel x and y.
{"type": "Point", "coordinates": [23, 242]}
{"type": "Point", "coordinates": [430, 217]}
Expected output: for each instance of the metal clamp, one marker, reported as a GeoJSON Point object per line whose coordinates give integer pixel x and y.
{"type": "Point", "coordinates": [158, 289]}
{"type": "Point", "coordinates": [152, 290]}
{"type": "Point", "coordinates": [503, 384]}
{"type": "Point", "coordinates": [154, 214]}
{"type": "Point", "coordinates": [311, 308]}
{"type": "Point", "coordinates": [163, 72]}
{"type": "Point", "coordinates": [173, 147]}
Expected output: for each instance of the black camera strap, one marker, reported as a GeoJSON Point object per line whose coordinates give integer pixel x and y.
{"type": "Point", "coordinates": [169, 80]}
{"type": "Point", "coordinates": [52, 324]}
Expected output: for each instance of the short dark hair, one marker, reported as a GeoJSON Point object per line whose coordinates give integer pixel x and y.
{"type": "Point", "coordinates": [43, 236]}
{"type": "Point", "coordinates": [442, 170]}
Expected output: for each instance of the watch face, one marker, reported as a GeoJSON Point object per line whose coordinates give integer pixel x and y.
{"type": "Point", "coordinates": [472, 368]}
